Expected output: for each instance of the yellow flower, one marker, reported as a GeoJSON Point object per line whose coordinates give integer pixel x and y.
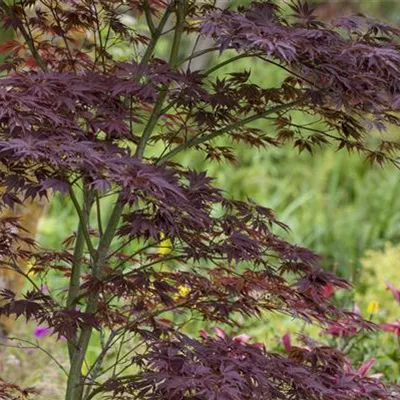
{"type": "Point", "coordinates": [194, 22]}
{"type": "Point", "coordinates": [373, 307]}
{"type": "Point", "coordinates": [165, 246]}
{"type": "Point", "coordinates": [30, 265]}
{"type": "Point", "coordinates": [184, 290]}
{"type": "Point", "coordinates": [85, 368]}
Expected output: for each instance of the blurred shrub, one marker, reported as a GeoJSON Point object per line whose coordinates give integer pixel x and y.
{"type": "Point", "coordinates": [378, 268]}
{"type": "Point", "coordinates": [335, 203]}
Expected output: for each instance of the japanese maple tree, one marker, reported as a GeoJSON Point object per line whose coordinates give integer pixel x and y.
{"type": "Point", "coordinates": [79, 118]}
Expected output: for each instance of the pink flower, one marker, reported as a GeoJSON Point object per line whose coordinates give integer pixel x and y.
{"type": "Point", "coordinates": [391, 327]}
{"type": "Point", "coordinates": [356, 309]}
{"type": "Point", "coordinates": [44, 289]}
{"type": "Point", "coordinates": [220, 333]}
{"type": "Point", "coordinates": [41, 331]}
{"type": "Point", "coordinates": [364, 368]}
{"type": "Point", "coordinates": [344, 327]}
{"type": "Point", "coordinates": [242, 339]}
{"type": "Point", "coordinates": [395, 292]}
{"type": "Point", "coordinates": [204, 334]}
{"type": "Point", "coordinates": [287, 342]}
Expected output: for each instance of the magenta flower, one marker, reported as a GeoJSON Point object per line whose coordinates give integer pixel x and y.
{"type": "Point", "coordinates": [395, 292]}
{"type": "Point", "coordinates": [41, 331]}
{"type": "Point", "coordinates": [391, 327]}
{"type": "Point", "coordinates": [364, 368]}
{"type": "Point", "coordinates": [341, 330]}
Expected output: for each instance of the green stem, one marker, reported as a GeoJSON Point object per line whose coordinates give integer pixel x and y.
{"type": "Point", "coordinates": [107, 238]}
{"type": "Point", "coordinates": [180, 21]}
{"type": "Point", "coordinates": [75, 378]}
{"type": "Point", "coordinates": [148, 16]}
{"type": "Point", "coordinates": [74, 283]}
{"type": "Point", "coordinates": [173, 61]}
{"type": "Point", "coordinates": [198, 54]}
{"type": "Point", "coordinates": [151, 123]}
{"type": "Point", "coordinates": [95, 369]}
{"type": "Point", "coordinates": [84, 222]}
{"type": "Point", "coordinates": [98, 212]}
{"type": "Point", "coordinates": [226, 62]}
{"type": "Point", "coordinates": [195, 141]}
{"type": "Point", "coordinates": [155, 36]}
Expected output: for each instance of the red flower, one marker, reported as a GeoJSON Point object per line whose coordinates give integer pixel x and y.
{"type": "Point", "coordinates": [328, 290]}
{"type": "Point", "coordinates": [348, 327]}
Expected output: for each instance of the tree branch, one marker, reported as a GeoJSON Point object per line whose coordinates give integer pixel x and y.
{"type": "Point", "coordinates": [156, 35]}
{"type": "Point", "coordinates": [81, 237]}
{"type": "Point", "coordinates": [195, 141]}
{"type": "Point", "coordinates": [75, 383]}
{"type": "Point", "coordinates": [152, 122]}
{"type": "Point", "coordinates": [83, 223]}
{"type": "Point", "coordinates": [34, 346]}
{"type": "Point", "coordinates": [28, 39]}
{"type": "Point", "coordinates": [149, 19]}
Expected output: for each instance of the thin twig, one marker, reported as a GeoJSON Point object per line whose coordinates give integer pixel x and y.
{"type": "Point", "coordinates": [35, 346]}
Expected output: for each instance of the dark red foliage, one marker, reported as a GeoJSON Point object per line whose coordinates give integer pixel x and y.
{"type": "Point", "coordinates": [73, 119]}
{"type": "Point", "coordinates": [223, 369]}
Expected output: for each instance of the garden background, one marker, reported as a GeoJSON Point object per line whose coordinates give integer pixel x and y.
{"type": "Point", "coordinates": [335, 203]}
